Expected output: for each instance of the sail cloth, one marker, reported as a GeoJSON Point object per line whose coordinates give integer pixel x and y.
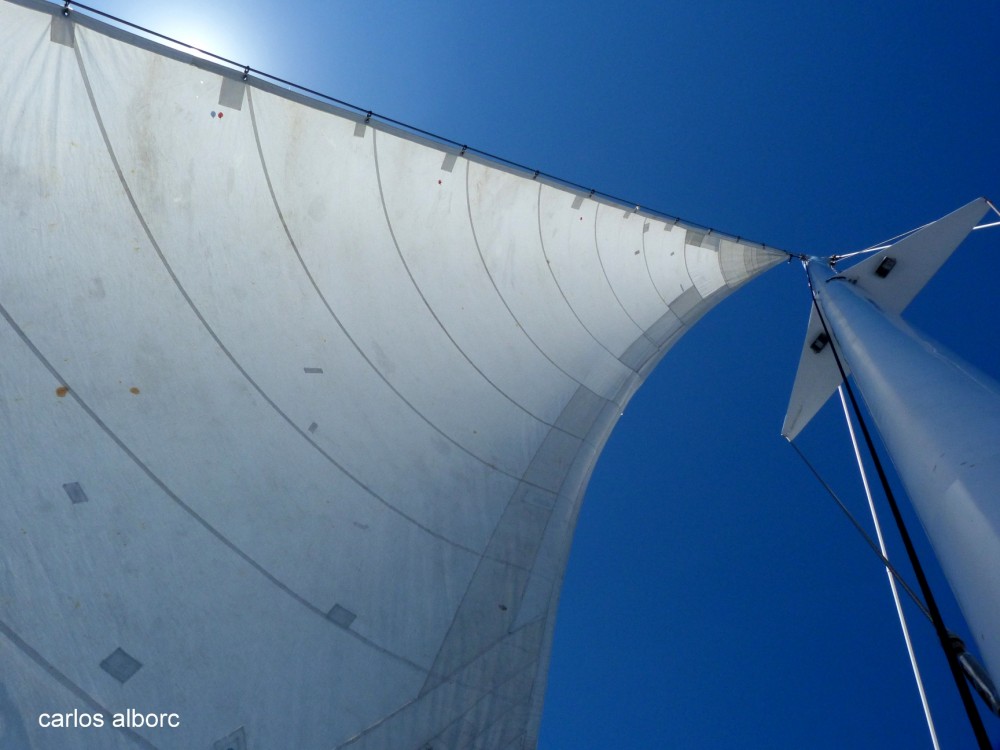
{"type": "Point", "coordinates": [297, 410]}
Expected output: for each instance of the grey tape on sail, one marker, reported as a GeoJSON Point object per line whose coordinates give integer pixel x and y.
{"type": "Point", "coordinates": [298, 461]}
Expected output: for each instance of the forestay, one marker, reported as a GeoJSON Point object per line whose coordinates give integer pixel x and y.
{"type": "Point", "coordinates": [297, 410]}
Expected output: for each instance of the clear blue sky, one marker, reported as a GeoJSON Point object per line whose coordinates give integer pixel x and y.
{"type": "Point", "coordinates": [715, 597]}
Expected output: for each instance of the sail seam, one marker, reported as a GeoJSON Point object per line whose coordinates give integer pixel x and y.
{"type": "Point", "coordinates": [28, 650]}
{"type": "Point", "coordinates": [215, 532]}
{"type": "Point", "coordinates": [597, 247]}
{"type": "Point", "coordinates": [649, 273]}
{"type": "Point", "coordinates": [687, 269]}
{"type": "Point", "coordinates": [430, 309]}
{"type": "Point", "coordinates": [479, 250]}
{"type": "Point", "coordinates": [548, 264]}
{"type": "Point", "coordinates": [336, 319]}
{"type": "Point", "coordinates": [514, 706]}
{"type": "Point", "coordinates": [190, 511]}
{"type": "Point", "coordinates": [428, 685]}
{"type": "Point", "coordinates": [536, 696]}
{"type": "Point", "coordinates": [450, 681]}
{"type": "Point", "coordinates": [215, 337]}
{"type": "Point", "coordinates": [461, 717]}
{"type": "Point", "coordinates": [566, 475]}
{"type": "Point", "coordinates": [318, 100]}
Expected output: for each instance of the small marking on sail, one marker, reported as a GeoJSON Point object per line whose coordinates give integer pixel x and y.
{"type": "Point", "coordinates": [75, 493]}
{"type": "Point", "coordinates": [62, 31]}
{"type": "Point", "coordinates": [62, 391]}
{"type": "Point", "coordinates": [134, 391]}
{"type": "Point", "coordinates": [341, 616]}
{"type": "Point", "coordinates": [121, 665]}
{"type": "Point", "coordinates": [313, 370]}
{"type": "Point", "coordinates": [231, 93]}
{"type": "Point", "coordinates": [694, 238]}
{"type": "Point", "coordinates": [313, 427]}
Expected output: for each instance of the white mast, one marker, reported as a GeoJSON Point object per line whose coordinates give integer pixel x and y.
{"type": "Point", "coordinates": [938, 416]}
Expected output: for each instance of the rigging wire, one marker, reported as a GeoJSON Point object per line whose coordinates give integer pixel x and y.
{"type": "Point", "coordinates": [890, 568]}
{"type": "Point", "coordinates": [886, 244]}
{"type": "Point", "coordinates": [834, 259]}
{"type": "Point", "coordinates": [892, 581]}
{"type": "Point", "coordinates": [883, 245]}
{"type": "Point", "coordinates": [975, 720]}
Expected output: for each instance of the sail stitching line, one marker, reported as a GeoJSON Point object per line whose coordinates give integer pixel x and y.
{"type": "Point", "coordinates": [529, 666]}
{"type": "Point", "coordinates": [420, 696]}
{"type": "Point", "coordinates": [316, 98]}
{"type": "Point", "coordinates": [552, 601]}
{"type": "Point", "coordinates": [552, 272]}
{"type": "Point", "coordinates": [468, 587]}
{"type": "Point", "coordinates": [513, 706]}
{"type": "Point", "coordinates": [452, 679]}
{"type": "Point", "coordinates": [649, 273]}
{"type": "Point", "coordinates": [687, 269]}
{"type": "Point", "coordinates": [215, 532]}
{"type": "Point", "coordinates": [190, 511]}
{"type": "Point", "coordinates": [472, 579]}
{"type": "Point", "coordinates": [430, 309]}
{"type": "Point", "coordinates": [337, 320]}
{"type": "Point", "coordinates": [662, 348]}
{"type": "Point", "coordinates": [540, 683]}
{"type": "Point", "coordinates": [208, 328]}
{"type": "Point", "coordinates": [545, 644]}
{"type": "Point", "coordinates": [479, 250]}
{"type": "Point", "coordinates": [447, 678]}
{"type": "Point", "coordinates": [597, 248]}
{"type": "Point", "coordinates": [492, 645]}
{"type": "Point", "coordinates": [29, 651]}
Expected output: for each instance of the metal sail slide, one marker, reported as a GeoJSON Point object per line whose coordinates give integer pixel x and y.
{"type": "Point", "coordinates": [297, 412]}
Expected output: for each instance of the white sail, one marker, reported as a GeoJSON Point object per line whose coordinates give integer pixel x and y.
{"type": "Point", "coordinates": [298, 410]}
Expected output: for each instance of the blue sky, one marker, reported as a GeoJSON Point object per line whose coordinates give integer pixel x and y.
{"type": "Point", "coordinates": [715, 596]}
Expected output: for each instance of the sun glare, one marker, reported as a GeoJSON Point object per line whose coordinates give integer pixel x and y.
{"type": "Point", "coordinates": [202, 41]}
{"type": "Point", "coordinates": [196, 30]}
